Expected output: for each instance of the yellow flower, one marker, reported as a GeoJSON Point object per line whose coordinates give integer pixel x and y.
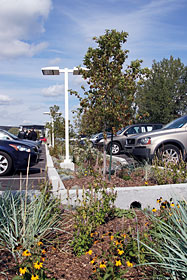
{"type": "Point", "coordinates": [102, 265]}
{"type": "Point", "coordinates": [124, 235]}
{"type": "Point", "coordinates": [172, 204]}
{"type": "Point", "coordinates": [178, 206]}
{"type": "Point", "coordinates": [22, 270]}
{"type": "Point", "coordinates": [154, 210]}
{"type": "Point", "coordinates": [146, 224]}
{"type": "Point", "coordinates": [117, 243]}
{"type": "Point", "coordinates": [38, 265]}
{"type": "Point", "coordinates": [26, 253]}
{"type": "Point", "coordinates": [39, 243]}
{"type": "Point", "coordinates": [120, 252]}
{"type": "Point", "coordinates": [146, 183]}
{"type": "Point", "coordinates": [34, 277]}
{"type": "Point", "coordinates": [43, 251]}
{"type": "Point", "coordinates": [111, 237]}
{"type": "Point", "coordinates": [170, 214]}
{"type": "Point", "coordinates": [89, 252]}
{"type": "Point", "coordinates": [129, 264]}
{"type": "Point", "coordinates": [93, 261]}
{"type": "Point", "coordinates": [118, 263]}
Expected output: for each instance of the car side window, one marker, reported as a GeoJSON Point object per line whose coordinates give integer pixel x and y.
{"type": "Point", "coordinates": [149, 128]}
{"type": "Point", "coordinates": [133, 130]}
{"type": "Point", "coordinates": [143, 129]}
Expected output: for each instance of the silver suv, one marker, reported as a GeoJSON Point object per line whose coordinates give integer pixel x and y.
{"type": "Point", "coordinates": [169, 143]}
{"type": "Point", "coordinates": [119, 140]}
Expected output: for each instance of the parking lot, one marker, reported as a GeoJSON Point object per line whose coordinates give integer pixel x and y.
{"type": "Point", "coordinates": [19, 180]}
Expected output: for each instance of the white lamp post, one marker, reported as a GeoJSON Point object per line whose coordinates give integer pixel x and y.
{"type": "Point", "coordinates": [56, 71]}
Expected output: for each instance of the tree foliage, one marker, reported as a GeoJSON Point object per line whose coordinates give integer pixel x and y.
{"type": "Point", "coordinates": [14, 130]}
{"type": "Point", "coordinates": [164, 94]}
{"type": "Point", "coordinates": [109, 96]}
{"type": "Point", "coordinates": [59, 123]}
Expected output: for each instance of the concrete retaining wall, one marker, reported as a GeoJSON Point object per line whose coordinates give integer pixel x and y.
{"type": "Point", "coordinates": [146, 196]}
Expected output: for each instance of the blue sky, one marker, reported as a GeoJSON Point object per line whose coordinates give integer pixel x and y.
{"type": "Point", "coordinates": [40, 33]}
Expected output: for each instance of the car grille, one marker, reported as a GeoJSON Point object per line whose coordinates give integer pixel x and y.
{"type": "Point", "coordinates": [130, 141]}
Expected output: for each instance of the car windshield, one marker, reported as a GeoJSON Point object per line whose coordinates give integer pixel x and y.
{"type": "Point", "coordinates": [121, 130]}
{"type": "Point", "coordinates": [176, 123]}
{"type": "Point", "coordinates": [5, 134]}
{"type": "Point", "coordinates": [12, 135]}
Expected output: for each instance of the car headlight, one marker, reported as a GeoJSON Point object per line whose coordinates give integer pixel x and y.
{"type": "Point", "coordinates": [144, 141]}
{"type": "Point", "coordinates": [20, 148]}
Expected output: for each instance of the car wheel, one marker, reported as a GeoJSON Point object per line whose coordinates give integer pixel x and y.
{"type": "Point", "coordinates": [116, 148]}
{"type": "Point", "coordinates": [169, 154]}
{"type": "Point", "coordinates": [5, 163]}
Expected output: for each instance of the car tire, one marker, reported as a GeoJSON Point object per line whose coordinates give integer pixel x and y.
{"type": "Point", "coordinates": [5, 163]}
{"type": "Point", "coordinates": [169, 154]}
{"type": "Point", "coordinates": [116, 148]}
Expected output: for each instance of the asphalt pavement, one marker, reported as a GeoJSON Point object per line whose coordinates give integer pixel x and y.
{"type": "Point", "coordinates": [19, 180]}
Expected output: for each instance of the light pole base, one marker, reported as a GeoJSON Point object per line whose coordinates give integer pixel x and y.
{"type": "Point", "coordinates": [67, 164]}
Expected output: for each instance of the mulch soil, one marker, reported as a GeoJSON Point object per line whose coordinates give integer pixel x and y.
{"type": "Point", "coordinates": [135, 180]}
{"type": "Point", "coordinates": [62, 264]}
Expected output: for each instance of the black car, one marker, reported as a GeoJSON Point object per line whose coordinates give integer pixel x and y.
{"type": "Point", "coordinates": [14, 155]}
{"type": "Point", "coordinates": [9, 136]}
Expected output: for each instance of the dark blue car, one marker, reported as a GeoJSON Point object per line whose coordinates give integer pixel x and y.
{"type": "Point", "coordinates": [15, 155]}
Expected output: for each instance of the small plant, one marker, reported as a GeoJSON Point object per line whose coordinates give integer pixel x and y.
{"type": "Point", "coordinates": [96, 208]}
{"type": "Point", "coordinates": [22, 218]}
{"type": "Point", "coordinates": [170, 235]}
{"type": "Point", "coordinates": [172, 173]}
{"type": "Point", "coordinates": [31, 267]}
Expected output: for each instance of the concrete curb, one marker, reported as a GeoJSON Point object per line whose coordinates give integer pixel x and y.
{"type": "Point", "coordinates": [53, 175]}
{"type": "Point", "coordinates": [145, 196]}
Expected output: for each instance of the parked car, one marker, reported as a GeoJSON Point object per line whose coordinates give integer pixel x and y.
{"type": "Point", "coordinates": [120, 138]}
{"type": "Point", "coordinates": [9, 136]}
{"type": "Point", "coordinates": [14, 155]}
{"type": "Point", "coordinates": [95, 138]}
{"type": "Point", "coordinates": [168, 143]}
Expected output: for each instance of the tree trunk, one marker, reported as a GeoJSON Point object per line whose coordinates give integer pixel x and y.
{"type": "Point", "coordinates": [104, 159]}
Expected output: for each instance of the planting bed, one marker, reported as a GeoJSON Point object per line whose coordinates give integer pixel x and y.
{"type": "Point", "coordinates": [63, 264]}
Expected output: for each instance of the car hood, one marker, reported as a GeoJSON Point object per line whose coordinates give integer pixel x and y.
{"type": "Point", "coordinates": [157, 133]}
{"type": "Point", "coordinates": [17, 142]}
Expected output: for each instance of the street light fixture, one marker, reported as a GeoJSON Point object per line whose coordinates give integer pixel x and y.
{"type": "Point", "coordinates": [57, 71]}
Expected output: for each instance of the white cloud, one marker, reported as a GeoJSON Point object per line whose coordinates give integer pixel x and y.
{"type": "Point", "coordinates": [53, 91]}
{"type": "Point", "coordinates": [22, 20]}
{"type": "Point", "coordinates": [55, 61]}
{"type": "Point", "coordinates": [5, 99]}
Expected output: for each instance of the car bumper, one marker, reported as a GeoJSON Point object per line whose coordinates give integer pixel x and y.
{"type": "Point", "coordinates": [139, 152]}
{"type": "Point", "coordinates": [23, 161]}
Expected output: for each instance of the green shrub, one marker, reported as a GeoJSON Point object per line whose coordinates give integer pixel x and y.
{"type": "Point", "coordinates": [169, 249]}
{"type": "Point", "coordinates": [96, 208]}
{"type": "Point", "coordinates": [23, 219]}
{"type": "Point", "coordinates": [171, 173]}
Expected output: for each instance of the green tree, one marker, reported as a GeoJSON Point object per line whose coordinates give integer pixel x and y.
{"type": "Point", "coordinates": [14, 130]}
{"type": "Point", "coordinates": [108, 99]}
{"type": "Point", "coordinates": [162, 97]}
{"type": "Point", "coordinates": [59, 123]}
